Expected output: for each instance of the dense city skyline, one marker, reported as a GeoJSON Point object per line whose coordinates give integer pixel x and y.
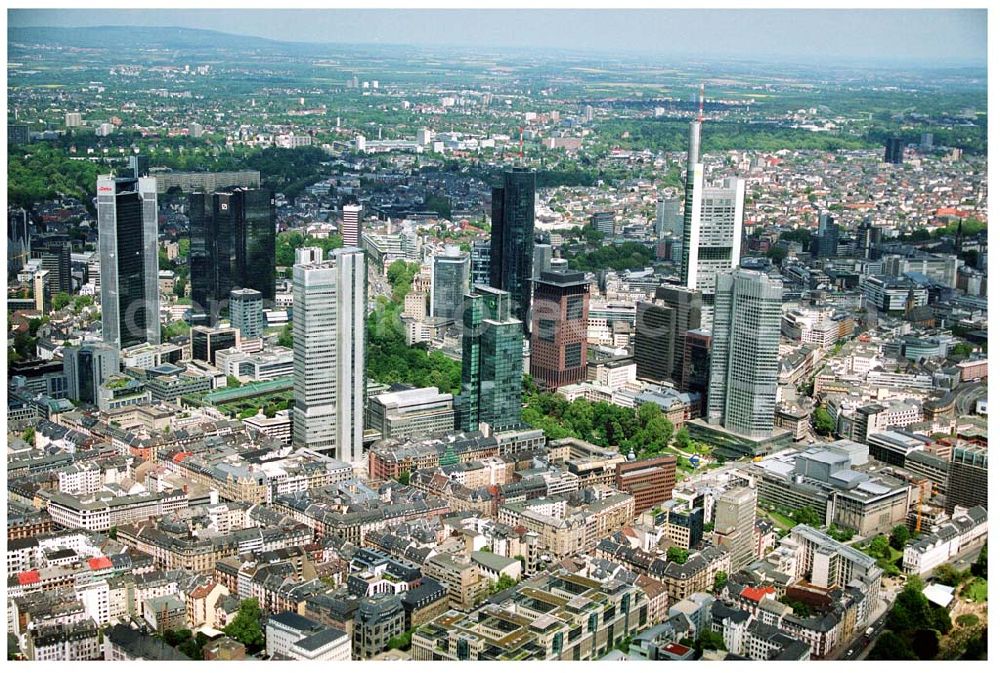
{"type": "Point", "coordinates": [340, 353]}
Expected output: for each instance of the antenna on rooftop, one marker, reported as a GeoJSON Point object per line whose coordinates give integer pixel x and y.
{"type": "Point", "coordinates": [701, 102]}
{"type": "Point", "coordinates": [522, 145]}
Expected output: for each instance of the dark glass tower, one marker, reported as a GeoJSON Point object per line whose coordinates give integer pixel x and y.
{"type": "Point", "coordinates": [492, 364]}
{"type": "Point", "coordinates": [893, 150]}
{"type": "Point", "coordinates": [127, 240]}
{"type": "Point", "coordinates": [512, 239]}
{"type": "Point", "coordinates": [232, 246]}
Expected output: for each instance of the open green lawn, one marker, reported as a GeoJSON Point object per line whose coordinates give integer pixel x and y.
{"type": "Point", "coordinates": [976, 590]}
{"type": "Point", "coordinates": [780, 520]}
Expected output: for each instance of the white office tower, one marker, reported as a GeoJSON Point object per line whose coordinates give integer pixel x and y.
{"type": "Point", "coordinates": [717, 240]}
{"type": "Point", "coordinates": [127, 233]}
{"type": "Point", "coordinates": [713, 225]}
{"type": "Point", "coordinates": [328, 331]}
{"type": "Point", "coordinates": [692, 206]}
{"type": "Point", "coordinates": [743, 375]}
{"type": "Point", "coordinates": [351, 230]}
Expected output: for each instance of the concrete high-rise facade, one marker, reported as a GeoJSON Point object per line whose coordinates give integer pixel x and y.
{"type": "Point", "coordinates": [492, 362]}
{"type": "Point", "coordinates": [246, 312]}
{"type": "Point", "coordinates": [512, 239]}
{"type": "Point", "coordinates": [743, 376]}
{"type": "Point", "coordinates": [351, 230]}
{"type": "Point", "coordinates": [449, 283]}
{"type": "Point", "coordinates": [968, 477]}
{"type": "Point", "coordinates": [86, 367]}
{"type": "Point", "coordinates": [127, 242]}
{"type": "Point", "coordinates": [735, 514]}
{"type": "Point", "coordinates": [661, 328]}
{"type": "Point", "coordinates": [232, 246]}
{"type": "Point", "coordinates": [560, 311]}
{"type": "Point", "coordinates": [57, 261]}
{"type": "Point", "coordinates": [328, 331]}
{"type": "Point", "coordinates": [693, 184]}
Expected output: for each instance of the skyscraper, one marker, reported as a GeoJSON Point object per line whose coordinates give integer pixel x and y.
{"type": "Point", "coordinates": [669, 217]}
{"type": "Point", "coordinates": [661, 328]}
{"type": "Point", "coordinates": [86, 367]}
{"type": "Point", "coordinates": [127, 242]}
{"type": "Point", "coordinates": [449, 283]}
{"type": "Point", "coordinates": [512, 239]}
{"type": "Point", "coordinates": [713, 224]}
{"type": "Point", "coordinates": [246, 312]}
{"type": "Point", "coordinates": [968, 476]}
{"type": "Point", "coordinates": [743, 378]}
{"type": "Point", "coordinates": [735, 513]}
{"type": "Point", "coordinates": [232, 246]}
{"type": "Point", "coordinates": [328, 331]}
{"type": "Point", "coordinates": [893, 150]}
{"type": "Point", "coordinates": [492, 363]}
{"type": "Point", "coordinates": [715, 242]}
{"type": "Point", "coordinates": [18, 240]}
{"type": "Point", "coordinates": [693, 183]}
{"type": "Point", "coordinates": [480, 263]}
{"type": "Point", "coordinates": [559, 334]}
{"type": "Point", "coordinates": [56, 259]}
{"type": "Point", "coordinates": [697, 358]}
{"type": "Point", "coordinates": [351, 231]}
{"type": "Point", "coordinates": [827, 237]}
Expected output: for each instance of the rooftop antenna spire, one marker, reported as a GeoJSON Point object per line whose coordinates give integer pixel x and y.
{"type": "Point", "coordinates": [701, 102]}
{"type": "Point", "coordinates": [522, 146]}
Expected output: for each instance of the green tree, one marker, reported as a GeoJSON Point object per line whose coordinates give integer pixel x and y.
{"type": "Point", "coordinates": [677, 555]}
{"type": "Point", "coordinates": [879, 547]}
{"type": "Point", "coordinates": [777, 254]}
{"type": "Point", "coordinates": [807, 516]}
{"type": "Point", "coordinates": [505, 582]}
{"type": "Point", "coordinates": [60, 301]}
{"type": "Point", "coordinates": [948, 574]}
{"type": "Point", "coordinates": [285, 338]}
{"type": "Point", "coordinates": [823, 421]}
{"type": "Point", "coordinates": [28, 436]}
{"type": "Point", "coordinates": [979, 566]}
{"type": "Point", "coordinates": [82, 301]}
{"type": "Point", "coordinates": [404, 478]}
{"type": "Point", "coordinates": [962, 349]}
{"type": "Point", "coordinates": [245, 627]}
{"type": "Point", "coordinates": [890, 646]}
{"type": "Point", "coordinates": [721, 578]}
{"type": "Point", "coordinates": [899, 537]}
{"type": "Point", "coordinates": [710, 640]}
{"type": "Point", "coordinates": [682, 440]}
{"type": "Point", "coordinates": [401, 642]}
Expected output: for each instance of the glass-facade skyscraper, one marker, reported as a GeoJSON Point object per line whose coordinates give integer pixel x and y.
{"type": "Point", "coordinates": [743, 375]}
{"type": "Point", "coordinates": [127, 243]}
{"type": "Point", "coordinates": [246, 312]}
{"type": "Point", "coordinates": [449, 283]}
{"type": "Point", "coordinates": [512, 239]}
{"type": "Point", "coordinates": [492, 363]}
{"type": "Point", "coordinates": [232, 246]}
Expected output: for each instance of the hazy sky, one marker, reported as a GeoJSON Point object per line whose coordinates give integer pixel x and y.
{"type": "Point", "coordinates": [842, 35]}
